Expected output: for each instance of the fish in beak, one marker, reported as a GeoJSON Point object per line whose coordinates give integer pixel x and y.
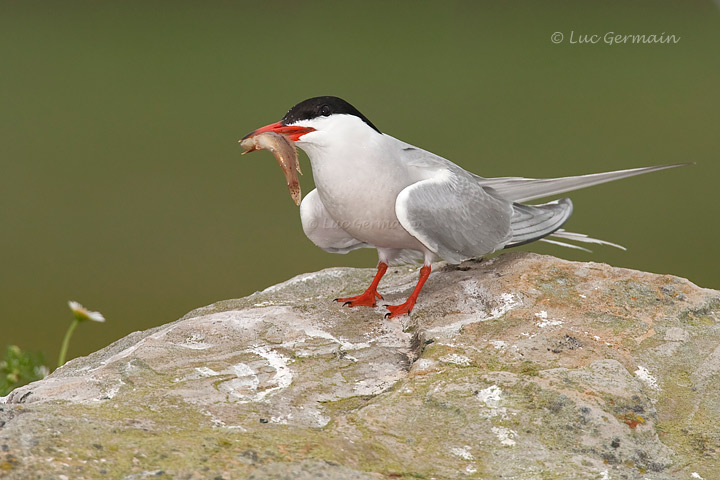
{"type": "Point", "coordinates": [279, 139]}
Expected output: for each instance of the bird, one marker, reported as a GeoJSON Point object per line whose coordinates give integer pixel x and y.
{"type": "Point", "coordinates": [375, 191]}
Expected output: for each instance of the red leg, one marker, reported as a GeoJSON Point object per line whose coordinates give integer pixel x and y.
{"type": "Point", "coordinates": [402, 309]}
{"type": "Point", "coordinates": [367, 298]}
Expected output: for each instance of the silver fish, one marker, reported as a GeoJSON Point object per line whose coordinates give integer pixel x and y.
{"type": "Point", "coordinates": [285, 154]}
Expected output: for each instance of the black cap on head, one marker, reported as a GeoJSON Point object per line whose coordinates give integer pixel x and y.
{"type": "Point", "coordinates": [323, 107]}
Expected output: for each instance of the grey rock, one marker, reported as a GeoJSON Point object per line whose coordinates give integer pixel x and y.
{"type": "Point", "coordinates": [307, 470]}
{"type": "Point", "coordinates": [523, 366]}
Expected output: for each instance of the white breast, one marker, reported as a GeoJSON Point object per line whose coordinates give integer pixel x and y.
{"type": "Point", "coordinates": [358, 181]}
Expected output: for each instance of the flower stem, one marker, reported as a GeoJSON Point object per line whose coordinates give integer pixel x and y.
{"type": "Point", "coordinates": [66, 342]}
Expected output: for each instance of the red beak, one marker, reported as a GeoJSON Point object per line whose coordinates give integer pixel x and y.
{"type": "Point", "coordinates": [293, 133]}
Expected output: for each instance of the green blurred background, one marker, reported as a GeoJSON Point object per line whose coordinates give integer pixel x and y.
{"type": "Point", "coordinates": [123, 186]}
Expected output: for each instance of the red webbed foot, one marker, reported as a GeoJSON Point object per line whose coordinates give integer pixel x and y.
{"type": "Point", "coordinates": [366, 299]}
{"type": "Point", "coordinates": [369, 297]}
{"type": "Point", "coordinates": [399, 310]}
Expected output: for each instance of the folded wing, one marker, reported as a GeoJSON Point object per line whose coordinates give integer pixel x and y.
{"type": "Point", "coordinates": [454, 217]}
{"type": "Point", "coordinates": [533, 222]}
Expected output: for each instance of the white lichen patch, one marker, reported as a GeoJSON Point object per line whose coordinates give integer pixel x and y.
{"type": "Point", "coordinates": [281, 419]}
{"type": "Point", "coordinates": [206, 372]}
{"type": "Point", "coordinates": [217, 423]}
{"type": "Point", "coordinates": [544, 322]}
{"type": "Point", "coordinates": [462, 452]}
{"type": "Point", "coordinates": [505, 435]}
{"type": "Point", "coordinates": [471, 288]}
{"type": "Point", "coordinates": [424, 365]}
{"type": "Point", "coordinates": [508, 301]}
{"type": "Point", "coordinates": [242, 370]}
{"type": "Point", "coordinates": [491, 396]}
{"type": "Point", "coordinates": [644, 375]}
{"type": "Point", "coordinates": [250, 384]}
{"type": "Point", "coordinates": [283, 375]}
{"type": "Point", "coordinates": [266, 303]}
{"type": "Point", "coordinates": [320, 419]}
{"type": "Point", "coordinates": [345, 345]}
{"type": "Point", "coordinates": [244, 386]}
{"type": "Point", "coordinates": [195, 342]}
{"type": "Point", "coordinates": [456, 359]}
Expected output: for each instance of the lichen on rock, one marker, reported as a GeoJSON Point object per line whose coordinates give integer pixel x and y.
{"type": "Point", "coordinates": [523, 366]}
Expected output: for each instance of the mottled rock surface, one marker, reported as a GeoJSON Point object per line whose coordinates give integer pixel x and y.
{"type": "Point", "coordinates": [523, 366]}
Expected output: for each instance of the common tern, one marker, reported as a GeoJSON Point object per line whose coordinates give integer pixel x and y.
{"type": "Point", "coordinates": [375, 191]}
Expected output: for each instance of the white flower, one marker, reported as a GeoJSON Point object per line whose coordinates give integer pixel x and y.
{"type": "Point", "coordinates": [81, 313]}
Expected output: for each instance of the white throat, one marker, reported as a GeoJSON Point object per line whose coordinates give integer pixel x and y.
{"type": "Point", "coordinates": [358, 175]}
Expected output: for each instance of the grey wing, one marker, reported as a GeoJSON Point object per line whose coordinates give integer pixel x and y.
{"type": "Point", "coordinates": [454, 217]}
{"type": "Point", "coordinates": [322, 230]}
{"type": "Point", "coordinates": [533, 222]}
{"type": "Point", "coordinates": [519, 189]}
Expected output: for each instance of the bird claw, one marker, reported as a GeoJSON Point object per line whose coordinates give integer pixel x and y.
{"type": "Point", "coordinates": [399, 310]}
{"type": "Point", "coordinates": [365, 299]}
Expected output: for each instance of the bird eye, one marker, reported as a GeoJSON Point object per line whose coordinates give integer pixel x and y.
{"type": "Point", "coordinates": [325, 110]}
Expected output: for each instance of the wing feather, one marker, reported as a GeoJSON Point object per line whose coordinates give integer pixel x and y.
{"type": "Point", "coordinates": [454, 217]}
{"type": "Point", "coordinates": [518, 189]}
{"type": "Point", "coordinates": [532, 222]}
